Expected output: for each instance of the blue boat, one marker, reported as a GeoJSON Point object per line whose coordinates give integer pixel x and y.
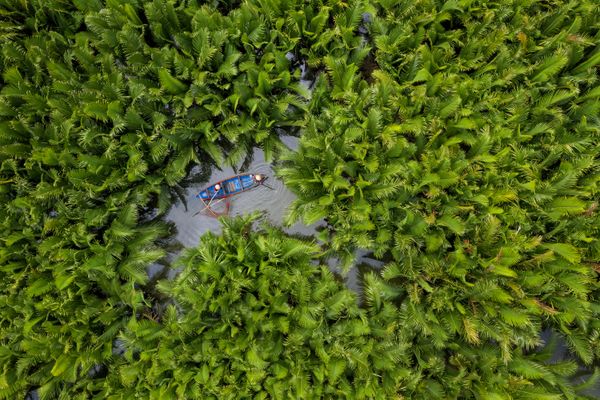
{"type": "Point", "coordinates": [231, 186]}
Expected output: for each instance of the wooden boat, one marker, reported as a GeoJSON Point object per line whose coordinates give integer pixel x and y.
{"type": "Point", "coordinates": [230, 187]}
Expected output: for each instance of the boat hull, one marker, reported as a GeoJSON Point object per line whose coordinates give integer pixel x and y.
{"type": "Point", "coordinates": [228, 187]}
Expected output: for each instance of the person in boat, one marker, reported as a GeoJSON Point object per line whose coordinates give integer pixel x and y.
{"type": "Point", "coordinates": [230, 186]}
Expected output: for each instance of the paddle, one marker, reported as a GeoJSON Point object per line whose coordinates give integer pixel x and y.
{"type": "Point", "coordinates": [211, 199]}
{"type": "Point", "coordinates": [208, 206]}
{"type": "Point", "coordinates": [265, 185]}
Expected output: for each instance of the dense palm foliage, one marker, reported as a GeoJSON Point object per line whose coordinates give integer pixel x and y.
{"type": "Point", "coordinates": [252, 317]}
{"type": "Point", "coordinates": [456, 140]}
{"type": "Point", "coordinates": [103, 110]}
{"type": "Point", "coordinates": [468, 162]}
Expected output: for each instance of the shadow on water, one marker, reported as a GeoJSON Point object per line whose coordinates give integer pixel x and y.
{"type": "Point", "coordinates": [364, 262]}
{"type": "Point", "coordinates": [556, 347]}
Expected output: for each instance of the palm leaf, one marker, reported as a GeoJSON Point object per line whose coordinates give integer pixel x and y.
{"type": "Point", "coordinates": [170, 83]}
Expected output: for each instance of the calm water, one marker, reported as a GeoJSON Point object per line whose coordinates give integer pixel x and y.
{"type": "Point", "coordinates": [272, 202]}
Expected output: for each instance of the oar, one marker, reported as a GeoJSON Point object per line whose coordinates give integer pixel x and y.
{"type": "Point", "coordinates": [210, 201]}
{"type": "Point", "coordinates": [265, 185]}
{"type": "Point", "coordinates": [214, 214]}
{"type": "Point", "coordinates": [226, 212]}
{"type": "Point", "coordinates": [208, 206]}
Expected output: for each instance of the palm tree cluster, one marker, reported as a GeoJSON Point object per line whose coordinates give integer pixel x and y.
{"type": "Point", "coordinates": [252, 317]}
{"type": "Point", "coordinates": [455, 140]}
{"type": "Point", "coordinates": [104, 108]}
{"type": "Point", "coordinates": [466, 158]}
